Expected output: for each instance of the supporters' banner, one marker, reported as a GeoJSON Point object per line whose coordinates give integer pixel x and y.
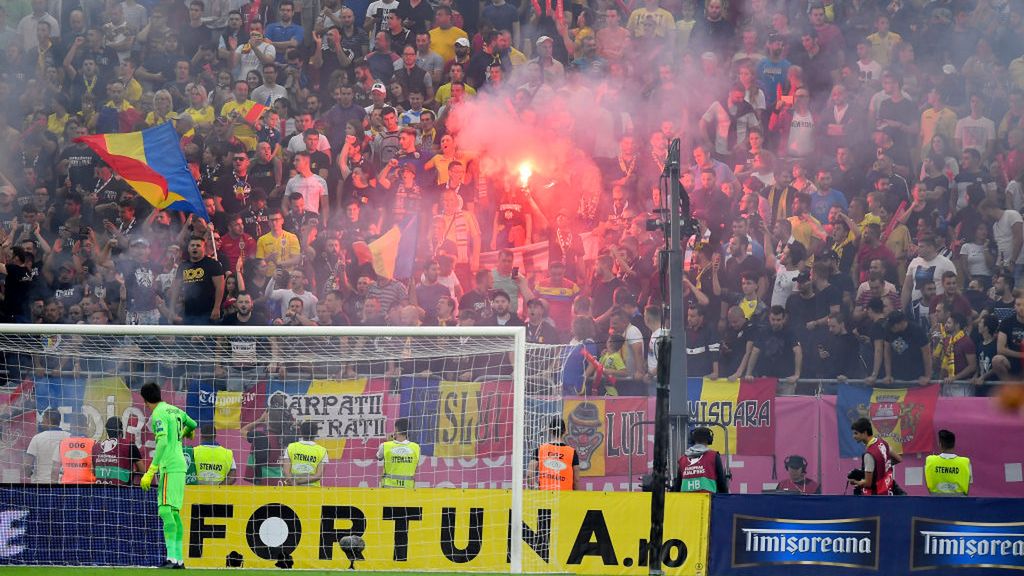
{"type": "Point", "coordinates": [745, 407]}
{"type": "Point", "coordinates": [901, 416]}
{"type": "Point", "coordinates": [346, 412]}
{"type": "Point", "coordinates": [440, 530]}
{"type": "Point", "coordinates": [606, 433]}
{"type": "Point", "coordinates": [775, 535]}
{"type": "Point", "coordinates": [458, 419]}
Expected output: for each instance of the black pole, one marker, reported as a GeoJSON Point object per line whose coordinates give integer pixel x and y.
{"type": "Point", "coordinates": [671, 350]}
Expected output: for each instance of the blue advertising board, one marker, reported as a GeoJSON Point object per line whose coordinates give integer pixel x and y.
{"type": "Point", "coordinates": [79, 526]}
{"type": "Point", "coordinates": [785, 535]}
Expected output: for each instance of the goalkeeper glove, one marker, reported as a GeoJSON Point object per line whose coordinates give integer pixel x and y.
{"type": "Point", "coordinates": [189, 433]}
{"type": "Point", "coordinates": [147, 479]}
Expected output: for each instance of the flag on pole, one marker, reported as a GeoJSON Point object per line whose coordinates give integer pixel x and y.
{"type": "Point", "coordinates": [151, 162]}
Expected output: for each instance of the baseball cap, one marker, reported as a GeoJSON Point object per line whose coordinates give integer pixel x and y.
{"type": "Point", "coordinates": [379, 87]}
{"type": "Point", "coordinates": [544, 39]}
{"type": "Point", "coordinates": [462, 42]}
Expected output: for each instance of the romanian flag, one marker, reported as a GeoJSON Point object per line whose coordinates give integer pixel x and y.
{"type": "Point", "coordinates": [255, 112]}
{"type": "Point", "coordinates": [745, 407]}
{"type": "Point", "coordinates": [151, 162]}
{"type": "Point", "coordinates": [394, 253]}
{"type": "Point", "coordinates": [903, 417]}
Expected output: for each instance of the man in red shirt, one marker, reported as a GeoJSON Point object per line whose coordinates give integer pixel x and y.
{"type": "Point", "coordinates": [236, 243]}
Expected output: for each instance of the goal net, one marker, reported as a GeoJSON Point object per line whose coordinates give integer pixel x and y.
{"type": "Point", "coordinates": [477, 401]}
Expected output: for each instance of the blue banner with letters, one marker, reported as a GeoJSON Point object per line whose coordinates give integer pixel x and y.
{"type": "Point", "coordinates": [79, 526]}
{"type": "Point", "coordinates": [766, 535]}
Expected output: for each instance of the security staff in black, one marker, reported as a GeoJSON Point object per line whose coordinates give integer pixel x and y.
{"type": "Point", "coordinates": [700, 468]}
{"type": "Point", "coordinates": [401, 456]}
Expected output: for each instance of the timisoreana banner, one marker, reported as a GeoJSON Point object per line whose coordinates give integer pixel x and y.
{"type": "Point", "coordinates": [441, 529]}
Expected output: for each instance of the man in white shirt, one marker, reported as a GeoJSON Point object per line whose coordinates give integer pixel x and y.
{"type": "Point", "coordinates": [254, 53]}
{"type": "Point", "coordinates": [312, 187]}
{"type": "Point", "coordinates": [270, 91]}
{"type": "Point", "coordinates": [976, 131]}
{"type": "Point", "coordinates": [29, 24]}
{"type": "Point", "coordinates": [929, 265]}
{"type": "Point", "coordinates": [42, 452]}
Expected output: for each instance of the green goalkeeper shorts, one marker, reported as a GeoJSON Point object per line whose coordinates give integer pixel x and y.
{"type": "Point", "coordinates": [172, 490]}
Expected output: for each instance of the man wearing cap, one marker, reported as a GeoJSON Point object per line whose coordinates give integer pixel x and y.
{"type": "Point", "coordinates": [444, 36]}
{"type": "Point", "coordinates": [552, 72]}
{"type": "Point", "coordinates": [140, 288]}
{"type": "Point", "coordinates": [378, 98]}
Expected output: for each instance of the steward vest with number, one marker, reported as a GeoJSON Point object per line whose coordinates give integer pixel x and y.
{"type": "Point", "coordinates": [112, 461]}
{"type": "Point", "coordinates": [306, 458]}
{"type": "Point", "coordinates": [554, 467]}
{"type": "Point", "coordinates": [76, 461]}
{"type": "Point", "coordinates": [947, 476]}
{"type": "Point", "coordinates": [400, 462]}
{"type": "Point", "coordinates": [698, 473]}
{"type": "Point", "coordinates": [212, 463]}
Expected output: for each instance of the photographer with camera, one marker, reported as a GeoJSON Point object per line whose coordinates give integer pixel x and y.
{"type": "Point", "coordinates": [875, 477]}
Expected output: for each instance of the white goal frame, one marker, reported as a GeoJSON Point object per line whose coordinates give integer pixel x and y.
{"type": "Point", "coordinates": [518, 334]}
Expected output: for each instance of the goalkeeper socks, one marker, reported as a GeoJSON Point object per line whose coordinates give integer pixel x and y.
{"type": "Point", "coordinates": [179, 538]}
{"type": "Point", "coordinates": [168, 515]}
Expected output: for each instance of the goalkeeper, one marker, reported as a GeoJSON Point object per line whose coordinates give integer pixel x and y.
{"type": "Point", "coordinates": [169, 424]}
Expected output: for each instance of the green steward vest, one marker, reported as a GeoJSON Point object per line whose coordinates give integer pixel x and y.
{"type": "Point", "coordinates": [400, 461]}
{"type": "Point", "coordinates": [947, 476]}
{"type": "Point", "coordinates": [306, 458]}
{"type": "Point", "coordinates": [212, 464]}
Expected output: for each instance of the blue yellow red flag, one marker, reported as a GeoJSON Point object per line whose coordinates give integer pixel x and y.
{"type": "Point", "coordinates": [151, 162]}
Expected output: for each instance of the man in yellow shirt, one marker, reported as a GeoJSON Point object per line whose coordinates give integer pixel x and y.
{"type": "Point", "coordinates": [278, 247]}
{"type": "Point", "coordinates": [937, 120]}
{"type": "Point", "coordinates": [806, 228]}
{"type": "Point", "coordinates": [236, 110]}
{"type": "Point", "coordinates": [664, 23]}
{"type": "Point", "coordinates": [883, 41]}
{"type": "Point", "coordinates": [444, 34]}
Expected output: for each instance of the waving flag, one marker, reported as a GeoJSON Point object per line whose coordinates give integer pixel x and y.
{"type": "Point", "coordinates": [151, 161]}
{"type": "Point", "coordinates": [255, 112]}
{"type": "Point", "coordinates": [394, 253]}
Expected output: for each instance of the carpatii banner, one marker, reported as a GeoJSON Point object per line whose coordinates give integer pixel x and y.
{"type": "Point", "coordinates": [745, 407]}
{"type": "Point", "coordinates": [901, 416]}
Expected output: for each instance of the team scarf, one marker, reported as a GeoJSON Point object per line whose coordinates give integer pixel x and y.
{"type": "Point", "coordinates": [948, 361]}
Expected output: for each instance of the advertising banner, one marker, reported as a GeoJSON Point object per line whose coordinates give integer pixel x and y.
{"type": "Point", "coordinates": [79, 526]}
{"type": "Point", "coordinates": [781, 535]}
{"type": "Point", "coordinates": [440, 529]}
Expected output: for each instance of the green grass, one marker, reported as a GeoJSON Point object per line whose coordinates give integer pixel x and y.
{"type": "Point", "coordinates": [49, 571]}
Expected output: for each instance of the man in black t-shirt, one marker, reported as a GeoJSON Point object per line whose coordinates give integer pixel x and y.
{"type": "Point", "coordinates": [776, 352]}
{"type": "Point", "coordinates": [1007, 363]}
{"type": "Point", "coordinates": [200, 283]}
{"type": "Point", "coordinates": [19, 286]}
{"type": "Point", "coordinates": [908, 354]}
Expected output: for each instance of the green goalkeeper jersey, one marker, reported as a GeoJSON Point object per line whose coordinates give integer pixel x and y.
{"type": "Point", "coordinates": [169, 424]}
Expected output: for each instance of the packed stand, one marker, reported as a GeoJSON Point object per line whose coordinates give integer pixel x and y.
{"type": "Point", "coordinates": [855, 167]}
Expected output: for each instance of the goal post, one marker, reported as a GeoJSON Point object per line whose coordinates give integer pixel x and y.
{"type": "Point", "coordinates": [477, 399]}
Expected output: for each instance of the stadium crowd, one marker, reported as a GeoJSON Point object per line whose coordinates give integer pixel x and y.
{"type": "Point", "coordinates": [855, 167]}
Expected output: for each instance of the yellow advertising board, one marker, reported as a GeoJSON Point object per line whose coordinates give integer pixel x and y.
{"type": "Point", "coordinates": [440, 529]}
